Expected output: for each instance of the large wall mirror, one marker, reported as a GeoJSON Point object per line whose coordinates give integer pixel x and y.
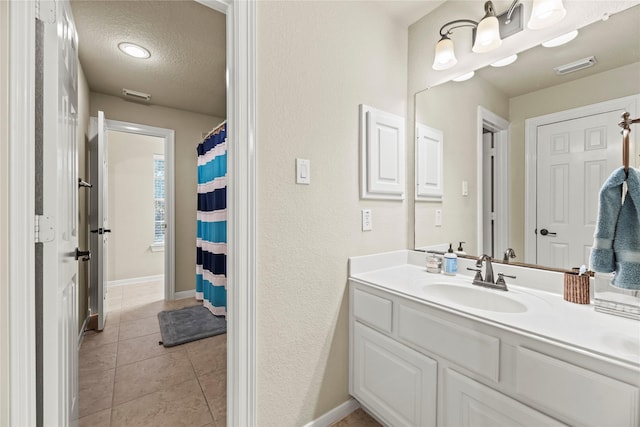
{"type": "Point", "coordinates": [499, 179]}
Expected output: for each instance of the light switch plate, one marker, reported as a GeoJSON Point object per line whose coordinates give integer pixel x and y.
{"type": "Point", "coordinates": [303, 171]}
{"type": "Point", "coordinates": [367, 224]}
{"type": "Point", "coordinates": [438, 218]}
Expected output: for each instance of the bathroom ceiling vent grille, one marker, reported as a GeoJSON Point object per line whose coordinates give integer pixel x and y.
{"type": "Point", "coordinates": [140, 96]}
{"type": "Point", "coordinates": [576, 65]}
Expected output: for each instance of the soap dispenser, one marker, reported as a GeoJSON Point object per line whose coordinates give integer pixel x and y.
{"type": "Point", "coordinates": [460, 250]}
{"type": "Point", "coordinates": [450, 262]}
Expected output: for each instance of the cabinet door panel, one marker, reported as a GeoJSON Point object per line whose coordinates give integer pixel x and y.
{"type": "Point", "coordinates": [586, 398]}
{"type": "Point", "coordinates": [478, 352]}
{"type": "Point", "coordinates": [468, 403]}
{"type": "Point", "coordinates": [393, 381]}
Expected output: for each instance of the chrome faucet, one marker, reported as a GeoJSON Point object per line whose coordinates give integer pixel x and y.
{"type": "Point", "coordinates": [488, 277]}
{"type": "Point", "coordinates": [509, 253]}
{"type": "Point", "coordinates": [488, 282]}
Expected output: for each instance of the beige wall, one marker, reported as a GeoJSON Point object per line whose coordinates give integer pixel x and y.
{"type": "Point", "coordinates": [82, 138]}
{"type": "Point", "coordinates": [188, 128]}
{"type": "Point", "coordinates": [446, 107]}
{"type": "Point", "coordinates": [131, 208]}
{"type": "Point", "coordinates": [4, 214]}
{"type": "Point", "coordinates": [317, 61]}
{"type": "Point", "coordinates": [612, 84]}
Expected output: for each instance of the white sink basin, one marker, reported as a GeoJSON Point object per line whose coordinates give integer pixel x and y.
{"type": "Point", "coordinates": [478, 298]}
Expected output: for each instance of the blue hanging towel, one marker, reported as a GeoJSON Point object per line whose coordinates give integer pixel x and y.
{"type": "Point", "coordinates": [211, 242]}
{"type": "Point", "coordinates": [616, 243]}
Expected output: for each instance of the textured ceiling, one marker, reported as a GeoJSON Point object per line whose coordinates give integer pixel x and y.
{"type": "Point", "coordinates": [187, 44]}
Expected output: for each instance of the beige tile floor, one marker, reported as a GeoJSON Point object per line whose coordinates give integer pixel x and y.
{"type": "Point", "coordinates": [358, 418]}
{"type": "Point", "coordinates": [127, 379]}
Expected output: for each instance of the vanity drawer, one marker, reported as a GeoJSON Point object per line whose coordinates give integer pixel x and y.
{"type": "Point", "coordinates": [373, 310]}
{"type": "Point", "coordinates": [472, 350]}
{"type": "Point", "coordinates": [582, 396]}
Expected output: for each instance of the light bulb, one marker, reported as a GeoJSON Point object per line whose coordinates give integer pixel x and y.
{"type": "Point", "coordinates": [445, 57]}
{"type": "Point", "coordinates": [487, 35]}
{"type": "Point", "coordinates": [546, 13]}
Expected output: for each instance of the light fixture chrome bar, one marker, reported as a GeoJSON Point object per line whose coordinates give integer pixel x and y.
{"type": "Point", "coordinates": [511, 21]}
{"type": "Point", "coordinates": [462, 22]}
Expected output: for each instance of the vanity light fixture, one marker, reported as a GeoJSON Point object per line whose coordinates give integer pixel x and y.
{"type": "Point", "coordinates": [491, 30]}
{"type": "Point", "coordinates": [560, 40]}
{"type": "Point", "coordinates": [505, 61]}
{"type": "Point", "coordinates": [545, 13]}
{"type": "Point", "coordinates": [134, 50]}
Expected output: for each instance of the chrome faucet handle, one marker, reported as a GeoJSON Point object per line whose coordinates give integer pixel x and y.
{"type": "Point", "coordinates": [501, 283]}
{"type": "Point", "coordinates": [478, 276]}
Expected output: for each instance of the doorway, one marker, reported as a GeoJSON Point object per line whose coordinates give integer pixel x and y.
{"type": "Point", "coordinates": [241, 60]}
{"type": "Point", "coordinates": [131, 166]}
{"type": "Point", "coordinates": [493, 183]}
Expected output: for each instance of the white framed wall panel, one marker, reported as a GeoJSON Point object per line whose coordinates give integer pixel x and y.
{"type": "Point", "coordinates": [382, 155]}
{"type": "Point", "coordinates": [429, 164]}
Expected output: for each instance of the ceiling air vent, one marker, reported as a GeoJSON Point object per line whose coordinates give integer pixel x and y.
{"type": "Point", "coordinates": [140, 96]}
{"type": "Point", "coordinates": [575, 66]}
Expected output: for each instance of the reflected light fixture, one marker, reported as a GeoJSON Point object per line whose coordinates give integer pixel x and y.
{"type": "Point", "coordinates": [560, 40]}
{"type": "Point", "coordinates": [464, 77]}
{"type": "Point", "coordinates": [491, 30]}
{"type": "Point", "coordinates": [134, 50]}
{"type": "Point", "coordinates": [505, 61]}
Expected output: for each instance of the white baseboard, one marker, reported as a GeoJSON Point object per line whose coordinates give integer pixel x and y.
{"type": "Point", "coordinates": [131, 281]}
{"type": "Point", "coordinates": [184, 294]}
{"type": "Point", "coordinates": [82, 329]}
{"type": "Point", "coordinates": [336, 414]}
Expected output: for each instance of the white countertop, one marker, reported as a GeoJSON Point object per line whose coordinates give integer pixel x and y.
{"type": "Point", "coordinates": [547, 314]}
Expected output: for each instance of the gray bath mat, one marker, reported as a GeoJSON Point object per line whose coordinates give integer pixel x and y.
{"type": "Point", "coordinates": [189, 324]}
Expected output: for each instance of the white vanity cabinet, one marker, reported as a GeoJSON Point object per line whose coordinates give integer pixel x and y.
{"type": "Point", "coordinates": [395, 382]}
{"type": "Point", "coordinates": [414, 363]}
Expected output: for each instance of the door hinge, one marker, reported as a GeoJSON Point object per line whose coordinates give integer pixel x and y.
{"type": "Point", "coordinates": [44, 229]}
{"type": "Point", "coordinates": [46, 11]}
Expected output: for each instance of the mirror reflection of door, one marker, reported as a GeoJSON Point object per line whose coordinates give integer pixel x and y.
{"type": "Point", "coordinates": [574, 158]}
{"type": "Point", "coordinates": [488, 192]}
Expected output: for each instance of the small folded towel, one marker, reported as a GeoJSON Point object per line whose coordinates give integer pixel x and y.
{"type": "Point", "coordinates": [616, 243]}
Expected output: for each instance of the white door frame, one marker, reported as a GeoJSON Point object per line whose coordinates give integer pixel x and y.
{"type": "Point", "coordinates": [169, 181]}
{"type": "Point", "coordinates": [241, 269]}
{"type": "Point", "coordinates": [500, 127]}
{"type": "Point", "coordinates": [627, 103]}
{"type": "Point", "coordinates": [22, 332]}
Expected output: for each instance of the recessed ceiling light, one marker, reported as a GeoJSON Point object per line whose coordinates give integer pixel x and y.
{"type": "Point", "coordinates": [134, 50]}
{"type": "Point", "coordinates": [464, 77]}
{"type": "Point", "coordinates": [505, 61]}
{"type": "Point", "coordinates": [560, 40]}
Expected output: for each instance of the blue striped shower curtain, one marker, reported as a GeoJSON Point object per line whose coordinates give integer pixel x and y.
{"type": "Point", "coordinates": [211, 266]}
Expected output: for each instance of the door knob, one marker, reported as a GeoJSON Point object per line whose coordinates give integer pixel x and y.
{"type": "Point", "coordinates": [546, 232]}
{"type": "Point", "coordinates": [101, 230]}
{"type": "Point", "coordinates": [86, 255]}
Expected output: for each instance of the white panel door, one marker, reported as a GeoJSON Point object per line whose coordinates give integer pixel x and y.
{"type": "Point", "coordinates": [99, 216]}
{"type": "Point", "coordinates": [575, 157]}
{"type": "Point", "coordinates": [397, 381]}
{"type": "Point", "coordinates": [429, 163]}
{"type": "Point", "coordinates": [60, 190]}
